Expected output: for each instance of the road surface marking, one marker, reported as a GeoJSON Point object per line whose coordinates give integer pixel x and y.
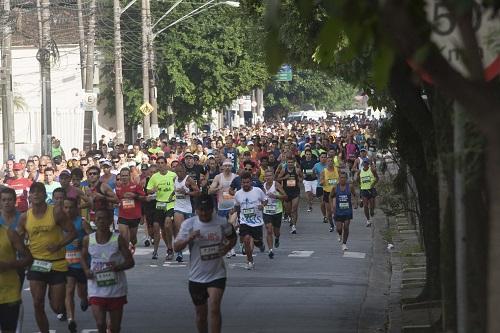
{"type": "Point", "coordinates": [300, 254]}
{"type": "Point", "coordinates": [357, 255]}
{"type": "Point", "coordinates": [90, 331]}
{"type": "Point", "coordinates": [238, 264]}
{"type": "Point", "coordinates": [168, 264]}
{"type": "Point", "coordinates": [27, 289]}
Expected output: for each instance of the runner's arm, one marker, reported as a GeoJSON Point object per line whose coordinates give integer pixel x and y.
{"type": "Point", "coordinates": [184, 237]}
{"type": "Point", "coordinates": [375, 174]}
{"type": "Point", "coordinates": [195, 190]}
{"type": "Point", "coordinates": [24, 254]}
{"type": "Point", "coordinates": [21, 226]}
{"type": "Point", "coordinates": [84, 259]}
{"type": "Point", "coordinates": [215, 185]}
{"type": "Point", "coordinates": [282, 195]}
{"type": "Point", "coordinates": [128, 262]}
{"type": "Point", "coordinates": [66, 224]}
{"type": "Point", "coordinates": [333, 202]}
{"type": "Point", "coordinates": [232, 242]}
{"type": "Point", "coordinates": [109, 194]}
{"type": "Point", "coordinates": [353, 195]}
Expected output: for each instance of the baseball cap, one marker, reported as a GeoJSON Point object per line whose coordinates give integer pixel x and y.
{"type": "Point", "coordinates": [366, 161]}
{"type": "Point", "coordinates": [12, 157]}
{"type": "Point", "coordinates": [188, 154]}
{"type": "Point", "coordinates": [363, 149]}
{"type": "Point", "coordinates": [106, 162]}
{"type": "Point", "coordinates": [17, 166]}
{"type": "Point", "coordinates": [227, 162]}
{"type": "Point", "coordinates": [130, 147]}
{"type": "Point", "coordinates": [144, 167]}
{"type": "Point", "coordinates": [205, 202]}
{"type": "Point", "coordinates": [250, 143]}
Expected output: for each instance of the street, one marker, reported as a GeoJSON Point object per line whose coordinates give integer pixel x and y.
{"type": "Point", "coordinates": [310, 286]}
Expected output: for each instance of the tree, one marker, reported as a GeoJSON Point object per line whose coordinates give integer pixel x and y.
{"type": "Point", "coordinates": [308, 86]}
{"type": "Point", "coordinates": [375, 33]}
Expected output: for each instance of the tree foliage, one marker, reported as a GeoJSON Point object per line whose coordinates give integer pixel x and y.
{"type": "Point", "coordinates": [312, 87]}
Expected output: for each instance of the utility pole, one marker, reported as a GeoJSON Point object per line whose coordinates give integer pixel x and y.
{"type": "Point", "coordinates": [254, 106]}
{"type": "Point", "coordinates": [145, 68]}
{"type": "Point", "coordinates": [260, 104]}
{"type": "Point", "coordinates": [9, 144]}
{"type": "Point", "coordinates": [120, 115]}
{"type": "Point", "coordinates": [43, 56]}
{"type": "Point", "coordinates": [155, 130]}
{"type": "Point", "coordinates": [89, 129]}
{"type": "Point", "coordinates": [241, 112]}
{"type": "Point", "coordinates": [81, 41]}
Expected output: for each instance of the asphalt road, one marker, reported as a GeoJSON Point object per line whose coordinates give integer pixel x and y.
{"type": "Point", "coordinates": [310, 286]}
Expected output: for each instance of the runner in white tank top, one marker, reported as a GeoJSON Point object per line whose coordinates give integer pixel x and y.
{"type": "Point", "coordinates": [109, 256]}
{"type": "Point", "coordinates": [183, 190]}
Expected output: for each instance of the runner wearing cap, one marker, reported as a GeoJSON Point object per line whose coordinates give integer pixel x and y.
{"type": "Point", "coordinates": [310, 179]}
{"type": "Point", "coordinates": [21, 185]}
{"type": "Point", "coordinates": [209, 238]}
{"type": "Point", "coordinates": [273, 211]}
{"type": "Point", "coordinates": [368, 178]}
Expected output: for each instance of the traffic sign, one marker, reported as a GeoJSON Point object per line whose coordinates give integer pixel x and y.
{"type": "Point", "coordinates": [146, 108]}
{"type": "Point", "coordinates": [90, 101]}
{"type": "Point", "coordinates": [284, 74]}
{"type": "Point", "coordinates": [446, 35]}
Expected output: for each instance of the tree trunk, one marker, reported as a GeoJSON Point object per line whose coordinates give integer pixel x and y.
{"type": "Point", "coordinates": [421, 156]}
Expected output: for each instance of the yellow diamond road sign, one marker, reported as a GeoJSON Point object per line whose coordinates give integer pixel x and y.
{"type": "Point", "coordinates": [146, 108]}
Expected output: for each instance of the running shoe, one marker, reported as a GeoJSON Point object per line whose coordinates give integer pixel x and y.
{"type": "Point", "coordinates": [229, 254]}
{"type": "Point", "coordinates": [331, 228]}
{"type": "Point", "coordinates": [84, 304]}
{"type": "Point", "coordinates": [339, 239]}
{"type": "Point", "coordinates": [250, 265]}
{"type": "Point", "coordinates": [243, 249]}
{"type": "Point", "coordinates": [170, 255]}
{"type": "Point", "coordinates": [277, 242]}
{"type": "Point", "coordinates": [309, 209]}
{"type": "Point", "coordinates": [62, 317]}
{"type": "Point", "coordinates": [72, 326]}
{"type": "Point", "coordinates": [155, 256]}
{"type": "Point", "coordinates": [179, 257]}
{"type": "Point", "coordinates": [271, 254]}
{"type": "Point", "coordinates": [372, 212]}
{"type": "Point", "coordinates": [147, 242]}
{"type": "Point", "coordinates": [131, 247]}
{"type": "Point", "coordinates": [344, 247]}
{"type": "Point", "coordinates": [325, 220]}
{"type": "Point", "coordinates": [294, 230]}
{"type": "Point", "coordinates": [368, 223]}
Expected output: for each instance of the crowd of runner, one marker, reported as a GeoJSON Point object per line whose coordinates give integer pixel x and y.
{"type": "Point", "coordinates": [69, 222]}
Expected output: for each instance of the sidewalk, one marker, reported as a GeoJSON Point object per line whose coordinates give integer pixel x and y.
{"type": "Point", "coordinates": [408, 280]}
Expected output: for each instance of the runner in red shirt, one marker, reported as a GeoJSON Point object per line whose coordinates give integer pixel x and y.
{"type": "Point", "coordinates": [129, 212]}
{"type": "Point", "coordinates": [21, 185]}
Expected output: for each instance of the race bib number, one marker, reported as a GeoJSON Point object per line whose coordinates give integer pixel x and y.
{"type": "Point", "coordinates": [210, 252]}
{"type": "Point", "coordinates": [309, 171]}
{"type": "Point", "coordinates": [291, 182]}
{"type": "Point", "coordinates": [249, 213]}
{"type": "Point", "coordinates": [332, 181]}
{"type": "Point", "coordinates": [105, 279]}
{"type": "Point", "coordinates": [41, 266]}
{"type": "Point", "coordinates": [19, 192]}
{"type": "Point", "coordinates": [180, 196]}
{"type": "Point", "coordinates": [343, 205]}
{"type": "Point", "coordinates": [270, 209]}
{"type": "Point", "coordinates": [73, 256]}
{"type": "Point", "coordinates": [366, 180]}
{"type": "Point", "coordinates": [128, 203]}
{"type": "Point", "coordinates": [161, 205]}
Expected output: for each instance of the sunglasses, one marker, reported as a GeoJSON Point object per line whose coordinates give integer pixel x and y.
{"type": "Point", "coordinates": [248, 169]}
{"type": "Point", "coordinates": [116, 161]}
{"type": "Point", "coordinates": [92, 174]}
{"type": "Point", "coordinates": [43, 165]}
{"type": "Point", "coordinates": [84, 164]}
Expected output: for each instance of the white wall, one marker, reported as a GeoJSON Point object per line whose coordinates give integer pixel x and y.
{"type": "Point", "coordinates": [67, 96]}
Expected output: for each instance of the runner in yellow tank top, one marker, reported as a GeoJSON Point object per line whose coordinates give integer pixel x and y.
{"type": "Point", "coordinates": [10, 286]}
{"type": "Point", "coordinates": [49, 230]}
{"type": "Point", "coordinates": [329, 179]}
{"type": "Point", "coordinates": [368, 178]}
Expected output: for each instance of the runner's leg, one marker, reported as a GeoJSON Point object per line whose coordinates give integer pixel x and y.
{"type": "Point", "coordinates": [294, 210]}
{"type": "Point", "coordinates": [269, 235]}
{"type": "Point", "coordinates": [201, 318]}
{"type": "Point", "coordinates": [38, 290]}
{"type": "Point", "coordinates": [156, 236]}
{"type": "Point", "coordinates": [214, 302]}
{"type": "Point", "coordinates": [100, 318]}
{"type": "Point", "coordinates": [115, 320]}
{"type": "Point", "coordinates": [345, 227]}
{"type": "Point", "coordinates": [57, 293]}
{"type": "Point", "coordinates": [133, 235]}
{"type": "Point", "coordinates": [124, 232]}
{"type": "Point", "coordinates": [70, 297]}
